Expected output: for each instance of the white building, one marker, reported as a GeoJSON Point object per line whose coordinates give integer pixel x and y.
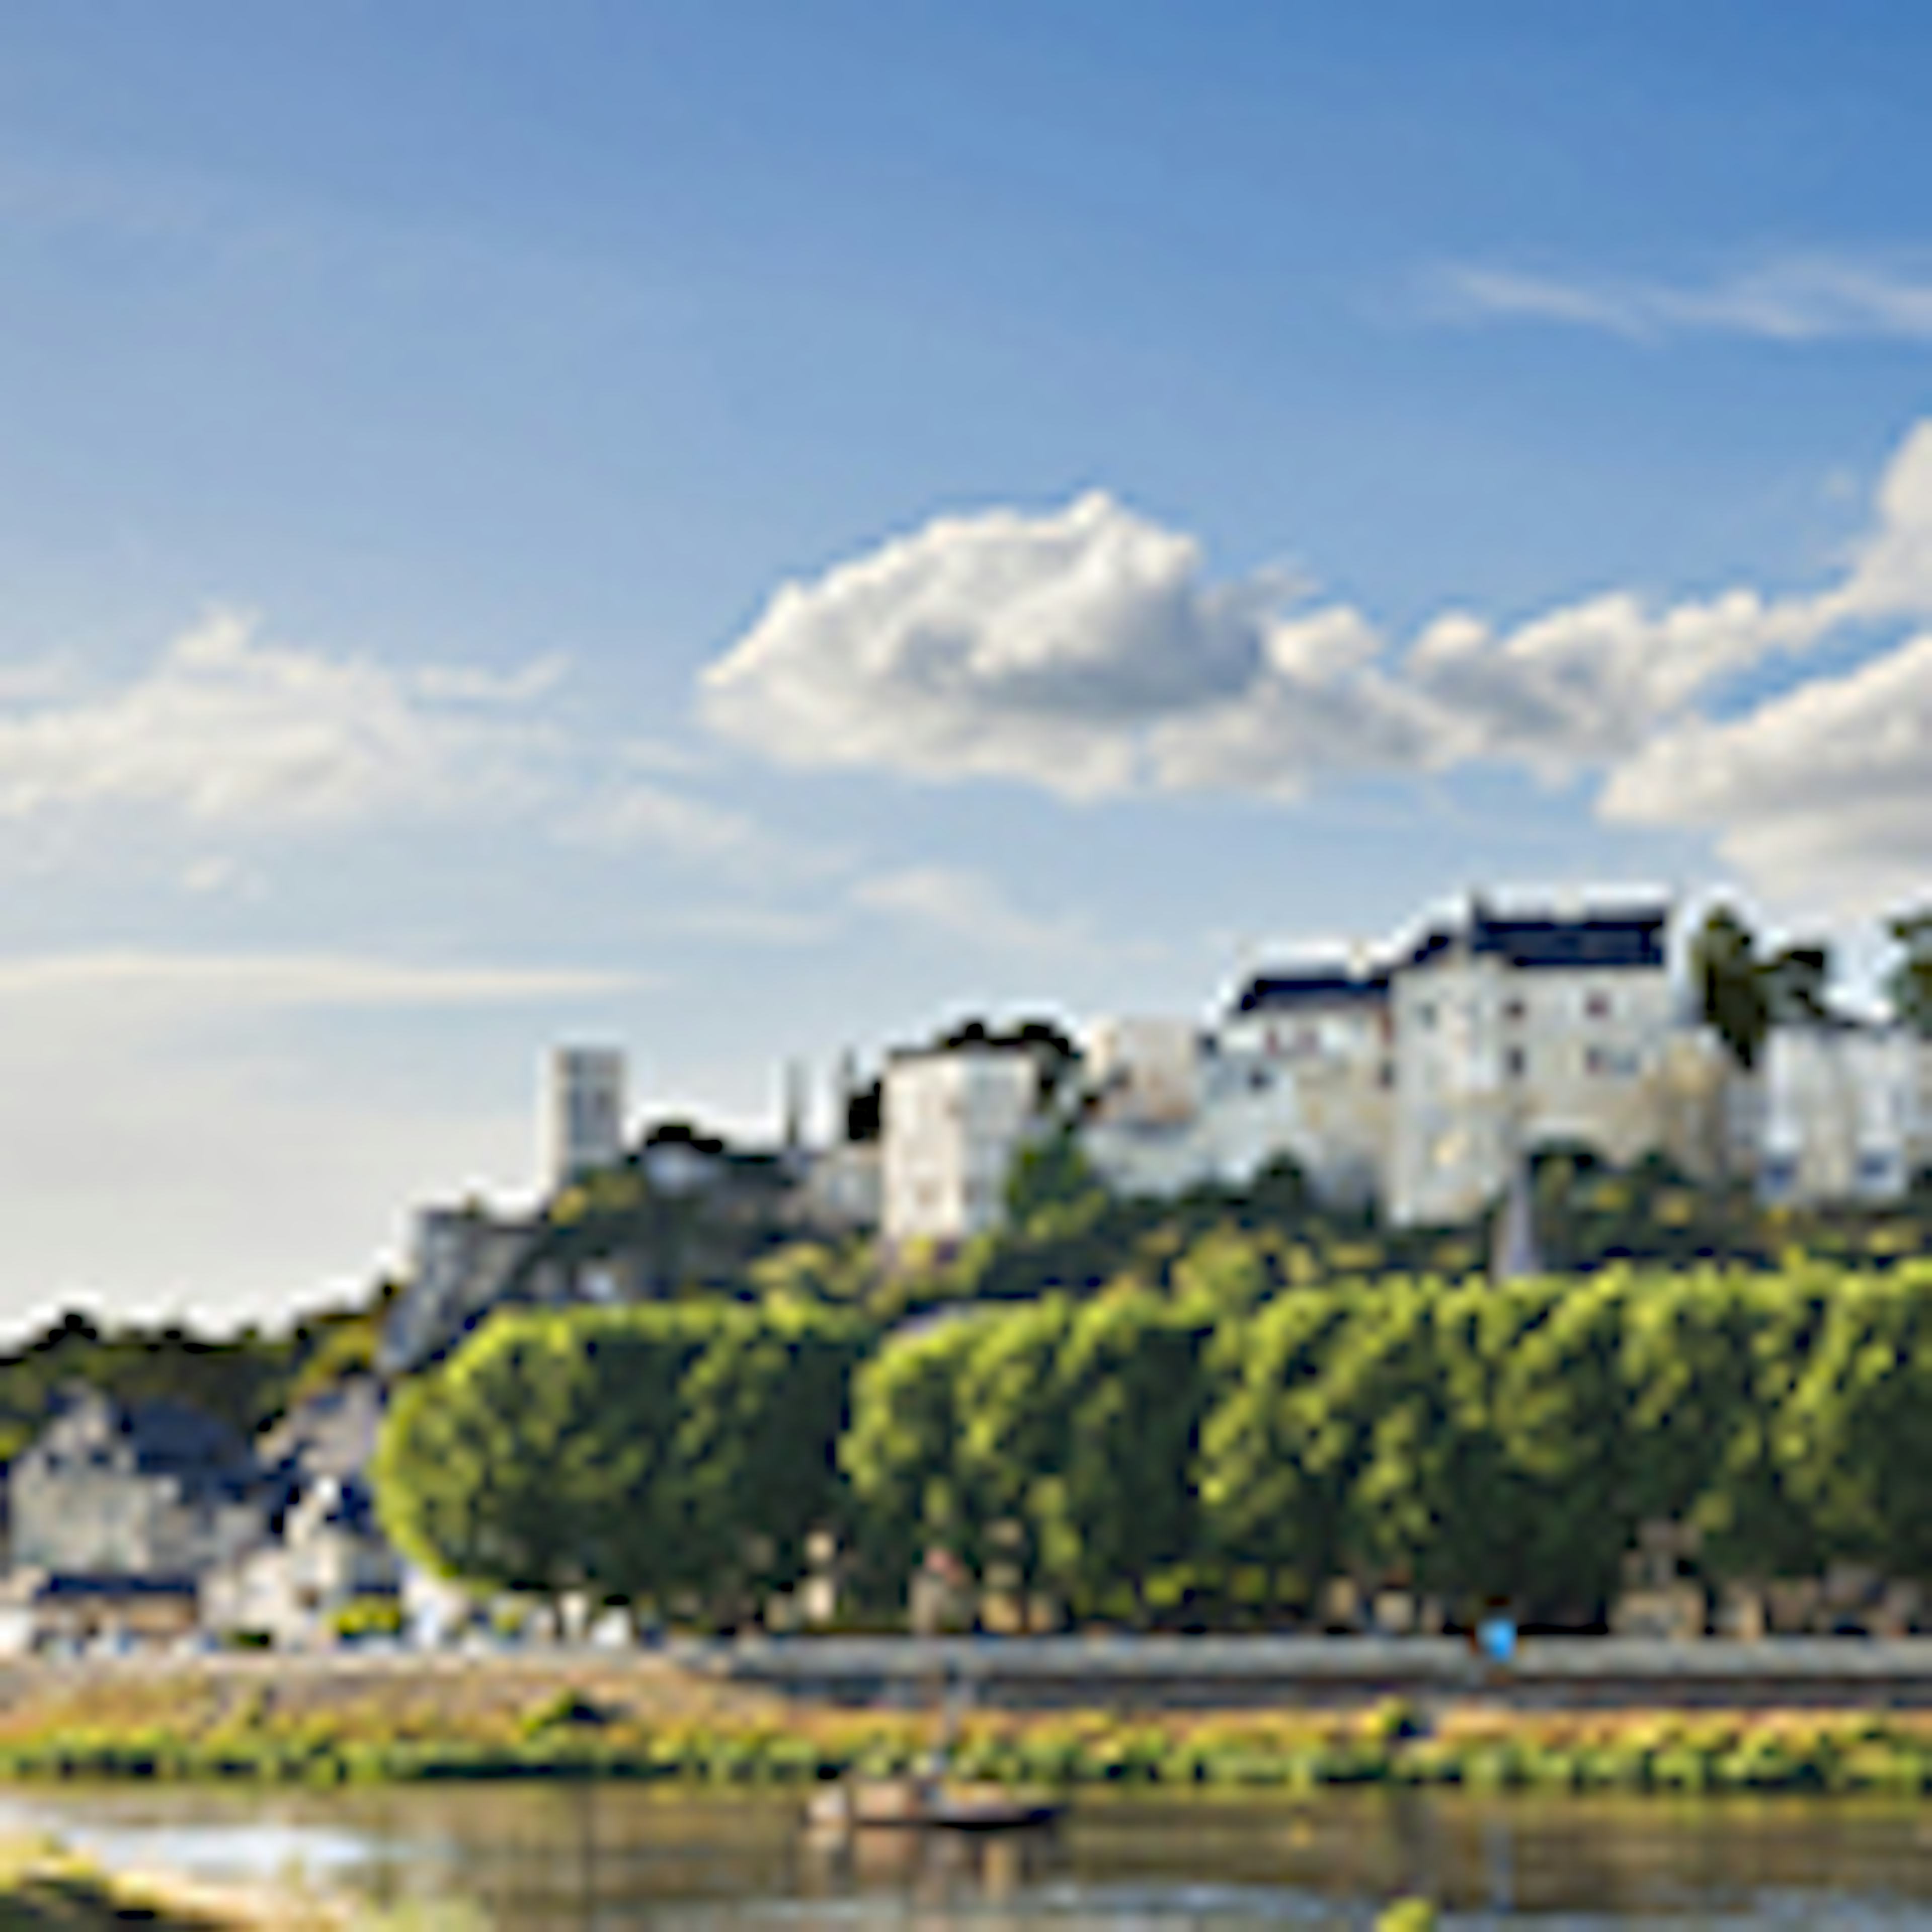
{"type": "Point", "coordinates": [954, 1117]}
{"type": "Point", "coordinates": [1836, 1118]}
{"type": "Point", "coordinates": [584, 1118]}
{"type": "Point", "coordinates": [1145, 1071]}
{"type": "Point", "coordinates": [330, 1554]}
{"type": "Point", "coordinates": [1421, 1083]}
{"type": "Point", "coordinates": [1304, 1069]}
{"type": "Point", "coordinates": [152, 1490]}
{"type": "Point", "coordinates": [843, 1188]}
{"type": "Point", "coordinates": [1298, 1069]}
{"type": "Point", "coordinates": [1514, 1032]}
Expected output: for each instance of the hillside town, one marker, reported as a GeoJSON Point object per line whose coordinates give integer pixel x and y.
{"type": "Point", "coordinates": [1411, 1081]}
{"type": "Point", "coordinates": [1412, 1084]}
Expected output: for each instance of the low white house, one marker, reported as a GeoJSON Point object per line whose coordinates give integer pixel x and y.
{"type": "Point", "coordinates": [954, 1117]}
{"type": "Point", "coordinates": [844, 1187]}
{"type": "Point", "coordinates": [1298, 1068]}
{"type": "Point", "coordinates": [144, 1489]}
{"type": "Point", "coordinates": [330, 1554]}
{"type": "Point", "coordinates": [1836, 1113]}
{"type": "Point", "coordinates": [1303, 1068]}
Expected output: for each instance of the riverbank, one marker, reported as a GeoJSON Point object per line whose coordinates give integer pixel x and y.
{"type": "Point", "coordinates": [633, 1719]}
{"type": "Point", "coordinates": [46, 1888]}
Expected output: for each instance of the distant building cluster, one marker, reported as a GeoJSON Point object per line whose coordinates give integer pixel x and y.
{"type": "Point", "coordinates": [1417, 1078]}
{"type": "Point", "coordinates": [152, 1522]}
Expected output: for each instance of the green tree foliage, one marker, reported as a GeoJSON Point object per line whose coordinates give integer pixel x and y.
{"type": "Point", "coordinates": [1119, 1514]}
{"type": "Point", "coordinates": [1063, 1433]}
{"type": "Point", "coordinates": [1202, 1410]}
{"type": "Point", "coordinates": [1279, 1462]}
{"type": "Point", "coordinates": [901, 1453]}
{"type": "Point", "coordinates": [661, 1239]}
{"type": "Point", "coordinates": [1855, 1431]}
{"type": "Point", "coordinates": [1797, 983]}
{"type": "Point", "coordinates": [640, 1455]}
{"type": "Point", "coordinates": [1050, 1186]}
{"type": "Point", "coordinates": [1908, 984]}
{"type": "Point", "coordinates": [1162, 1456]}
{"type": "Point", "coordinates": [1731, 989]}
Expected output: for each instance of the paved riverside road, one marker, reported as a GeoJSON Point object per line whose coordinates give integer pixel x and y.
{"type": "Point", "coordinates": [1118, 1672]}
{"type": "Point", "coordinates": [1226, 1671]}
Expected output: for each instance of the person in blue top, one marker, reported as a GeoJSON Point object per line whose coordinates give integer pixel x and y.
{"type": "Point", "coordinates": [1495, 1636]}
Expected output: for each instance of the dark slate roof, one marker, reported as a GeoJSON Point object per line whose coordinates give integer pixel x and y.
{"type": "Point", "coordinates": [171, 1439]}
{"type": "Point", "coordinates": [117, 1584]}
{"type": "Point", "coordinates": [355, 1508]}
{"type": "Point", "coordinates": [1634, 939]}
{"type": "Point", "coordinates": [165, 1439]}
{"type": "Point", "coordinates": [1273, 992]}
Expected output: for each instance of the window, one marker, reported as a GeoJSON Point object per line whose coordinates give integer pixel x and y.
{"type": "Point", "coordinates": [1877, 1169]}
{"type": "Point", "coordinates": [1512, 1007]}
{"type": "Point", "coordinates": [1596, 1006]}
{"type": "Point", "coordinates": [1425, 1014]}
{"type": "Point", "coordinates": [1778, 1177]}
{"type": "Point", "coordinates": [1516, 1062]}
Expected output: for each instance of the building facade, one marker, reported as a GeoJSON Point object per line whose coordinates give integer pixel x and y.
{"type": "Point", "coordinates": [1837, 1117]}
{"type": "Point", "coordinates": [1515, 1033]}
{"type": "Point", "coordinates": [147, 1489]}
{"type": "Point", "coordinates": [954, 1117]}
{"type": "Point", "coordinates": [461, 1260]}
{"type": "Point", "coordinates": [584, 1118]}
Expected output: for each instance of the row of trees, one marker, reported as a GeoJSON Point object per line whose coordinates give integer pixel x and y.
{"type": "Point", "coordinates": [671, 1455]}
{"type": "Point", "coordinates": [1198, 1455]}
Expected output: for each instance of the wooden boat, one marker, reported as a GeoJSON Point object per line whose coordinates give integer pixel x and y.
{"type": "Point", "coordinates": [930, 1801]}
{"type": "Point", "coordinates": [917, 1804]}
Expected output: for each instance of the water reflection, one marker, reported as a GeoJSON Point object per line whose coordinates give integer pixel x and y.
{"type": "Point", "coordinates": [931, 1868]}
{"type": "Point", "coordinates": [610, 1858]}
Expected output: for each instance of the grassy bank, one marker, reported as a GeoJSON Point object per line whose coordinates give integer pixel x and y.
{"type": "Point", "coordinates": [46, 1888]}
{"type": "Point", "coordinates": [226, 1728]}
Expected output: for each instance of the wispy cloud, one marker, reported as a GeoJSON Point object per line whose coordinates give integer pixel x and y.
{"type": "Point", "coordinates": [755, 925]}
{"type": "Point", "coordinates": [1793, 299]}
{"type": "Point", "coordinates": [229, 982]}
{"type": "Point", "coordinates": [639, 812]}
{"type": "Point", "coordinates": [960, 904]}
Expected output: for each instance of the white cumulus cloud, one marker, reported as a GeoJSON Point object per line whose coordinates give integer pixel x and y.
{"type": "Point", "coordinates": [1001, 644]}
{"type": "Point", "coordinates": [1826, 791]}
{"type": "Point", "coordinates": [1085, 649]}
{"type": "Point", "coordinates": [225, 728]}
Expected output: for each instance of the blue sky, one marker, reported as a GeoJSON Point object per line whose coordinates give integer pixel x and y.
{"type": "Point", "coordinates": [1239, 472]}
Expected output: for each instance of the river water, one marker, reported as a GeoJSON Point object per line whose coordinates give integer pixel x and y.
{"type": "Point", "coordinates": [555, 1858]}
